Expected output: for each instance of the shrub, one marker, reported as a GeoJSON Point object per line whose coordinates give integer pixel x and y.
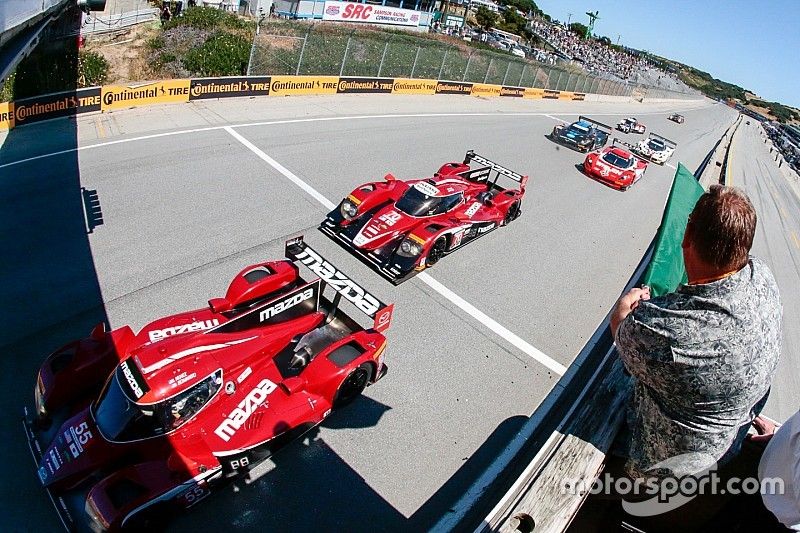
{"type": "Point", "coordinates": [92, 69]}
{"type": "Point", "coordinates": [223, 54]}
{"type": "Point", "coordinates": [209, 18]}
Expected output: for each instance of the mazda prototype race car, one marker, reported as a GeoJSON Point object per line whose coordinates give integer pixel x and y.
{"type": "Point", "coordinates": [676, 118]}
{"type": "Point", "coordinates": [402, 227]}
{"type": "Point", "coordinates": [630, 125]}
{"type": "Point", "coordinates": [614, 166]}
{"type": "Point", "coordinates": [584, 135]}
{"type": "Point", "coordinates": [654, 148]}
{"type": "Point", "coordinates": [128, 428]}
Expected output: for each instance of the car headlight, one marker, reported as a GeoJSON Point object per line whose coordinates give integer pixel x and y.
{"type": "Point", "coordinates": [97, 522]}
{"type": "Point", "coordinates": [409, 248]}
{"type": "Point", "coordinates": [349, 209]}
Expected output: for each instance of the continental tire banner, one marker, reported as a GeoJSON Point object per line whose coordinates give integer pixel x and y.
{"type": "Point", "coordinates": [201, 88]}
{"type": "Point", "coordinates": [6, 115]}
{"type": "Point", "coordinates": [516, 92]}
{"type": "Point", "coordinates": [297, 85]}
{"type": "Point", "coordinates": [412, 86]}
{"type": "Point", "coordinates": [118, 97]}
{"type": "Point", "coordinates": [482, 89]}
{"type": "Point", "coordinates": [365, 85]}
{"type": "Point", "coordinates": [453, 87]}
{"type": "Point", "coordinates": [111, 97]}
{"type": "Point", "coordinates": [55, 105]}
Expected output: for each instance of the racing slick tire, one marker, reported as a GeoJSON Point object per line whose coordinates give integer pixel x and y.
{"type": "Point", "coordinates": [512, 213]}
{"type": "Point", "coordinates": [353, 385]}
{"type": "Point", "coordinates": [436, 252]}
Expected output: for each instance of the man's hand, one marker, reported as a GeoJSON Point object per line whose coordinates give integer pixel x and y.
{"type": "Point", "coordinates": [625, 305]}
{"type": "Point", "coordinates": [765, 429]}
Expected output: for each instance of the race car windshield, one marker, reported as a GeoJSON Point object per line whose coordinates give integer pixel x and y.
{"type": "Point", "coordinates": [613, 159]}
{"type": "Point", "coordinates": [578, 129]}
{"type": "Point", "coordinates": [121, 420]}
{"type": "Point", "coordinates": [656, 145]}
{"type": "Point", "coordinates": [418, 204]}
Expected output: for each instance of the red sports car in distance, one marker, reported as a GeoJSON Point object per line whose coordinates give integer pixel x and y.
{"type": "Point", "coordinates": [402, 227]}
{"type": "Point", "coordinates": [614, 166]}
{"type": "Point", "coordinates": [129, 428]}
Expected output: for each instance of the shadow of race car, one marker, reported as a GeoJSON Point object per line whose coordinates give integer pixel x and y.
{"type": "Point", "coordinates": [401, 227]}
{"type": "Point", "coordinates": [584, 135]}
{"type": "Point", "coordinates": [614, 166]}
{"type": "Point", "coordinates": [129, 428]}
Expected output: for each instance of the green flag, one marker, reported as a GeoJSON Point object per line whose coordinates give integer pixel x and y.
{"type": "Point", "coordinates": [666, 270]}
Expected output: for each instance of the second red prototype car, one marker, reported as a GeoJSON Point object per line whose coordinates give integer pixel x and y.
{"type": "Point", "coordinates": [614, 166]}
{"type": "Point", "coordinates": [130, 427]}
{"type": "Point", "coordinates": [402, 227]}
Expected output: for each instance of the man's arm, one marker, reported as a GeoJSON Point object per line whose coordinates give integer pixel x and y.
{"type": "Point", "coordinates": [625, 306]}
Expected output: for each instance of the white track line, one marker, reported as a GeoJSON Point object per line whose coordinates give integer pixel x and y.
{"type": "Point", "coordinates": [513, 339]}
{"type": "Point", "coordinates": [287, 121]}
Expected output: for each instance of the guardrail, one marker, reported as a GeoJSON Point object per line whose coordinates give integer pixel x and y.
{"type": "Point", "coordinates": [96, 23]}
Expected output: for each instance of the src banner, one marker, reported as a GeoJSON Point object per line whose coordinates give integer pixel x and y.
{"type": "Point", "coordinates": [372, 14]}
{"type": "Point", "coordinates": [201, 88]}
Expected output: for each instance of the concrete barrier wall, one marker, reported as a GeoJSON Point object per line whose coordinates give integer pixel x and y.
{"type": "Point", "coordinates": [110, 97]}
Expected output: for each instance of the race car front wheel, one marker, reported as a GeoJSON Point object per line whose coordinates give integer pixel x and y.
{"type": "Point", "coordinates": [437, 251]}
{"type": "Point", "coordinates": [353, 385]}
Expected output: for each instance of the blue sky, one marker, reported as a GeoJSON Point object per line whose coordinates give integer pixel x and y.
{"type": "Point", "coordinates": [755, 44]}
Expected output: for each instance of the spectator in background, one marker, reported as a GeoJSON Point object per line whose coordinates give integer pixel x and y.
{"type": "Point", "coordinates": [166, 14]}
{"type": "Point", "coordinates": [781, 460]}
{"type": "Point", "coordinates": [704, 356]}
{"type": "Point", "coordinates": [191, 3]}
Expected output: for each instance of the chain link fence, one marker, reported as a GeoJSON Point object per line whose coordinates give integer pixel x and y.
{"type": "Point", "coordinates": [281, 48]}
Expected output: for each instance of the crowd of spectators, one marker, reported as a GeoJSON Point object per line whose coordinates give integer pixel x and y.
{"type": "Point", "coordinates": [596, 57]}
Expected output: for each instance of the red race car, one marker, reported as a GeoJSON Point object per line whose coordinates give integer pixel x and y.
{"type": "Point", "coordinates": [402, 227]}
{"type": "Point", "coordinates": [128, 428]}
{"type": "Point", "coordinates": [614, 166]}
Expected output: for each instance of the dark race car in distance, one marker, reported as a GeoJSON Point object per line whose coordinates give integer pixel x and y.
{"type": "Point", "coordinates": [615, 166]}
{"type": "Point", "coordinates": [129, 428]}
{"type": "Point", "coordinates": [583, 135]}
{"type": "Point", "coordinates": [401, 227]}
{"type": "Point", "coordinates": [675, 117]}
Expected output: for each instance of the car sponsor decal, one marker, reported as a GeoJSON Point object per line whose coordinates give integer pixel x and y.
{"type": "Point", "coordinates": [132, 377]}
{"type": "Point", "coordinates": [287, 306]}
{"type": "Point", "coordinates": [473, 209]}
{"type": "Point", "coordinates": [298, 250]}
{"type": "Point", "coordinates": [426, 188]}
{"type": "Point", "coordinates": [383, 319]}
{"type": "Point", "coordinates": [236, 419]}
{"type": "Point", "coordinates": [192, 351]}
{"type": "Point", "coordinates": [199, 325]}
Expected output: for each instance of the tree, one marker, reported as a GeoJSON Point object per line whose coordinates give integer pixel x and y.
{"type": "Point", "coordinates": [485, 18]}
{"type": "Point", "coordinates": [579, 29]}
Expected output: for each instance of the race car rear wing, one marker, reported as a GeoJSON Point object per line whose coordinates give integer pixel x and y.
{"type": "Point", "coordinates": [484, 173]}
{"type": "Point", "coordinates": [297, 250]}
{"type": "Point", "coordinates": [666, 141]}
{"type": "Point", "coordinates": [600, 125]}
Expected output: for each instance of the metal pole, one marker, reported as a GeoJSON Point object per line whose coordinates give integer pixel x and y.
{"type": "Point", "coordinates": [466, 69]}
{"type": "Point", "coordinates": [486, 77]}
{"type": "Point", "coordinates": [508, 67]}
{"type": "Point", "coordinates": [385, 48]}
{"type": "Point", "coordinates": [414, 66]}
{"type": "Point", "coordinates": [441, 69]}
{"type": "Point", "coordinates": [558, 81]}
{"type": "Point", "coordinates": [302, 51]}
{"type": "Point", "coordinates": [344, 58]}
{"type": "Point", "coordinates": [522, 75]}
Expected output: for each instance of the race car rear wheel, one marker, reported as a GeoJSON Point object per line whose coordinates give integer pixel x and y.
{"type": "Point", "coordinates": [437, 251]}
{"type": "Point", "coordinates": [511, 214]}
{"type": "Point", "coordinates": [353, 385]}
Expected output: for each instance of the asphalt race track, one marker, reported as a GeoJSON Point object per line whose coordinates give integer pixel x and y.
{"type": "Point", "coordinates": [474, 347]}
{"type": "Point", "coordinates": [775, 192]}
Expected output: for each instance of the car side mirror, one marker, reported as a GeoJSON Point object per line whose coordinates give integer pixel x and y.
{"type": "Point", "coordinates": [488, 201]}
{"type": "Point", "coordinates": [219, 305]}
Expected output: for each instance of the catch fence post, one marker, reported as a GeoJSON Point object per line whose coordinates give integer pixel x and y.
{"type": "Point", "coordinates": [508, 67]}
{"type": "Point", "coordinates": [444, 59]}
{"type": "Point", "coordinates": [302, 51]}
{"type": "Point", "coordinates": [344, 58]}
{"type": "Point", "coordinates": [383, 57]}
{"type": "Point", "coordinates": [522, 75]}
{"type": "Point", "coordinates": [466, 69]}
{"type": "Point", "coordinates": [486, 77]}
{"type": "Point", "coordinates": [414, 66]}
